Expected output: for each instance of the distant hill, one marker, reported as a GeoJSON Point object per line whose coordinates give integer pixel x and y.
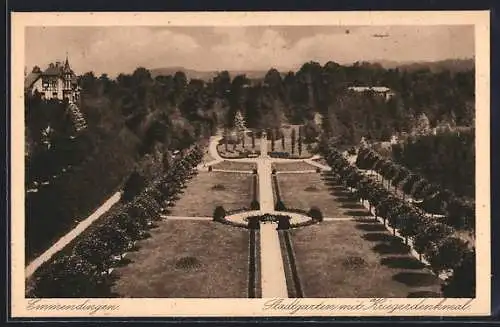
{"type": "Point", "coordinates": [204, 75]}
{"type": "Point", "coordinates": [453, 65]}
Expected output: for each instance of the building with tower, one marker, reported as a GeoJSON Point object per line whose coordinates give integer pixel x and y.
{"type": "Point", "coordinates": [58, 81]}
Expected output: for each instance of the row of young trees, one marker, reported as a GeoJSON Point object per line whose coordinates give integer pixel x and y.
{"type": "Point", "coordinates": [434, 240]}
{"type": "Point", "coordinates": [84, 271]}
{"type": "Point", "coordinates": [458, 212]}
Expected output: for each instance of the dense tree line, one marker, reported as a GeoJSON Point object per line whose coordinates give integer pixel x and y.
{"type": "Point", "coordinates": [435, 241]}
{"type": "Point", "coordinates": [447, 158]}
{"type": "Point", "coordinates": [84, 269]}
{"type": "Point", "coordinates": [296, 97]}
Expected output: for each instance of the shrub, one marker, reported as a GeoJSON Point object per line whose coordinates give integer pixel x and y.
{"type": "Point", "coordinates": [277, 154]}
{"type": "Point", "coordinates": [255, 205]}
{"type": "Point", "coordinates": [134, 185]}
{"type": "Point", "coordinates": [447, 254]}
{"type": "Point", "coordinates": [210, 168]}
{"type": "Point", "coordinates": [283, 222]}
{"type": "Point", "coordinates": [253, 222]}
{"type": "Point", "coordinates": [69, 277]}
{"type": "Point", "coordinates": [463, 281]}
{"type": "Point", "coordinates": [219, 213]}
{"type": "Point", "coordinates": [430, 234]}
{"type": "Point", "coordinates": [280, 206]}
{"type": "Point", "coordinates": [316, 214]}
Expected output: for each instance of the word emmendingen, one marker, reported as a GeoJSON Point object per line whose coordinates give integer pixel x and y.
{"type": "Point", "coordinates": [84, 306]}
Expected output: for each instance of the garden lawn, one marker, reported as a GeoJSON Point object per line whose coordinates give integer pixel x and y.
{"type": "Point", "coordinates": [231, 165]}
{"type": "Point", "coordinates": [216, 256]}
{"type": "Point", "coordinates": [358, 259]}
{"type": "Point", "coordinates": [209, 189]}
{"type": "Point", "coordinates": [293, 166]}
{"type": "Point", "coordinates": [303, 191]}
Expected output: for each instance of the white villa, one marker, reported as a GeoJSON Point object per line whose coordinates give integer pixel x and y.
{"type": "Point", "coordinates": [58, 81]}
{"type": "Point", "coordinates": [384, 91]}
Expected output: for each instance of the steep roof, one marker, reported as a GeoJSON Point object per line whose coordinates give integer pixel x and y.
{"type": "Point", "coordinates": [53, 70]}
{"type": "Point", "coordinates": [31, 79]}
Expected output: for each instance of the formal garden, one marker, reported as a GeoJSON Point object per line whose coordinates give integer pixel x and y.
{"type": "Point", "coordinates": [196, 190]}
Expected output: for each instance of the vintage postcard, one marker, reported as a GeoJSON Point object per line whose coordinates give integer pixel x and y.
{"type": "Point", "coordinates": [250, 164]}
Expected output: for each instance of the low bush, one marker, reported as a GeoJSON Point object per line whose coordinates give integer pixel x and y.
{"type": "Point", "coordinates": [276, 154]}
{"type": "Point", "coordinates": [253, 222]}
{"type": "Point", "coordinates": [219, 213]}
{"type": "Point", "coordinates": [316, 214]}
{"type": "Point", "coordinates": [255, 205]}
{"type": "Point", "coordinates": [462, 284]}
{"type": "Point", "coordinates": [280, 206]}
{"type": "Point", "coordinates": [447, 254]}
{"type": "Point", "coordinates": [283, 222]}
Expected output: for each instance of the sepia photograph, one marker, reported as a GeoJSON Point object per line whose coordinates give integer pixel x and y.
{"type": "Point", "coordinates": [267, 160]}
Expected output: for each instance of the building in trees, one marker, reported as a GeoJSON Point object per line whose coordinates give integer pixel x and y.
{"type": "Point", "coordinates": [422, 125]}
{"type": "Point", "coordinates": [58, 81]}
{"type": "Point", "coordinates": [383, 91]}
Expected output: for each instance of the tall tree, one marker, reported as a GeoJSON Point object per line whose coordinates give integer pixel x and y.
{"type": "Point", "coordinates": [273, 138]}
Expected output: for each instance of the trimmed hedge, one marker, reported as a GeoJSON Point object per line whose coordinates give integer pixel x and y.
{"type": "Point", "coordinates": [255, 205]}
{"type": "Point", "coordinates": [315, 214]}
{"type": "Point", "coordinates": [219, 213]}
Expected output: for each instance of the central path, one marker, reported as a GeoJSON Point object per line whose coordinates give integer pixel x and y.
{"type": "Point", "coordinates": [273, 281]}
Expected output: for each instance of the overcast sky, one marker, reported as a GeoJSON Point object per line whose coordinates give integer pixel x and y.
{"type": "Point", "coordinates": [113, 50]}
